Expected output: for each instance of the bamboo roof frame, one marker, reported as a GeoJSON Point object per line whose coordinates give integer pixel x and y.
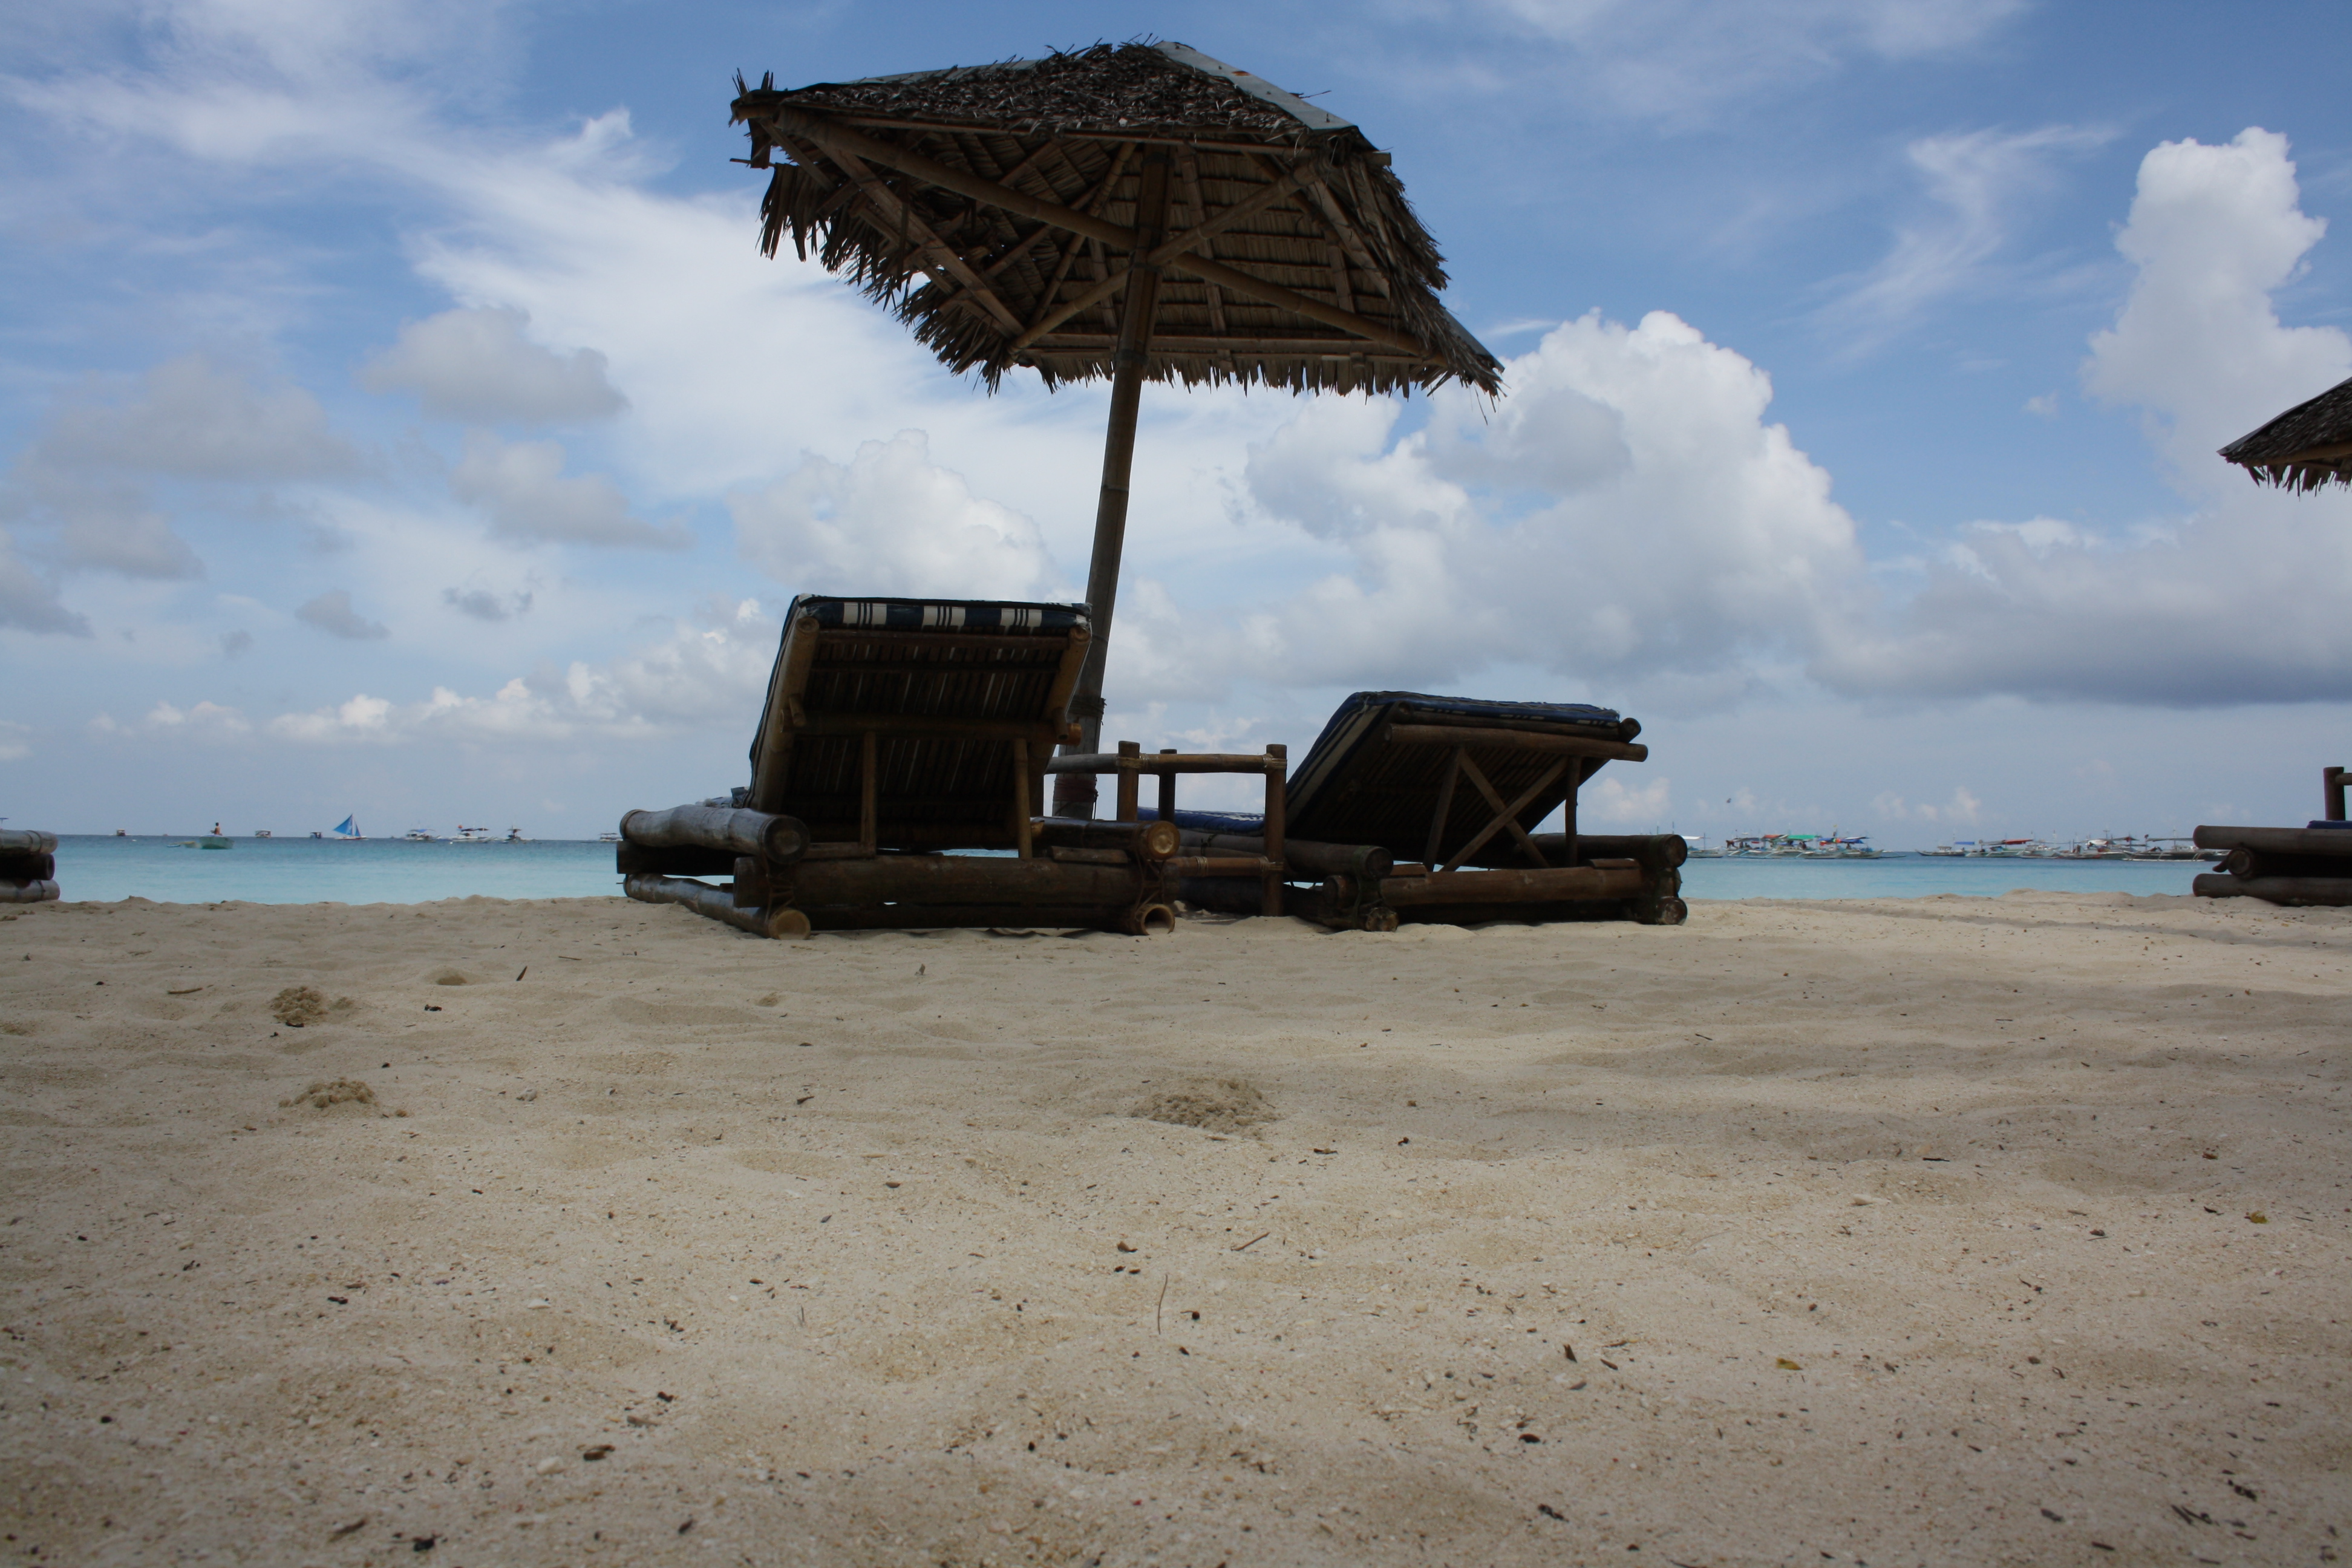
{"type": "Point", "coordinates": [996, 207]}
{"type": "Point", "coordinates": [2304, 448]}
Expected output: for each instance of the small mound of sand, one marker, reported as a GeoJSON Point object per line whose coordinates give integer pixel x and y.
{"type": "Point", "coordinates": [453, 977]}
{"type": "Point", "coordinates": [298, 1007]}
{"type": "Point", "coordinates": [1212, 1105]}
{"type": "Point", "coordinates": [328, 1094]}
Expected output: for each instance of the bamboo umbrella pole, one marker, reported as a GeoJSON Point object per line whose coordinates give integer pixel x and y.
{"type": "Point", "coordinates": [1074, 794]}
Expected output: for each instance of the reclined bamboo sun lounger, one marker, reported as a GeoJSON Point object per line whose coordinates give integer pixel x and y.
{"type": "Point", "coordinates": [1403, 791]}
{"type": "Point", "coordinates": [895, 728]}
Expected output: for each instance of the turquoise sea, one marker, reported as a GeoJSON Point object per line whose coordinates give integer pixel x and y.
{"type": "Point", "coordinates": [391, 870]}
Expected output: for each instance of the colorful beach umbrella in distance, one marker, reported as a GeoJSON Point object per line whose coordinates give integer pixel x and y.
{"type": "Point", "coordinates": [1130, 212]}
{"type": "Point", "coordinates": [2303, 448]}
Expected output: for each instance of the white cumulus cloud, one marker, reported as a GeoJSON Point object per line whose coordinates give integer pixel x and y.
{"type": "Point", "coordinates": [710, 670]}
{"type": "Point", "coordinates": [332, 612]}
{"type": "Point", "coordinates": [1625, 513]}
{"type": "Point", "coordinates": [89, 470]}
{"type": "Point", "coordinates": [890, 521]}
{"type": "Point", "coordinates": [531, 499]}
{"type": "Point", "coordinates": [476, 364]}
{"type": "Point", "coordinates": [2240, 599]}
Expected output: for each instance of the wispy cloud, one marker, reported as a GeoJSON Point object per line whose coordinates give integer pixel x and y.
{"type": "Point", "coordinates": [1976, 184]}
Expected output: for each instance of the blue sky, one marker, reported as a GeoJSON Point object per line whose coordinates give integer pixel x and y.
{"type": "Point", "coordinates": [396, 417]}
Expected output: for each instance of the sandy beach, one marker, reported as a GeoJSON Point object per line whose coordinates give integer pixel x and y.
{"type": "Point", "coordinates": [1941, 1231]}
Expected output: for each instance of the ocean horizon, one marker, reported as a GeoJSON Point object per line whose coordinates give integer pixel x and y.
{"type": "Point", "coordinates": [103, 868]}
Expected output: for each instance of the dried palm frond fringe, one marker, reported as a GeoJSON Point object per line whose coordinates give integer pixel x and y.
{"type": "Point", "coordinates": [988, 288]}
{"type": "Point", "coordinates": [2304, 448]}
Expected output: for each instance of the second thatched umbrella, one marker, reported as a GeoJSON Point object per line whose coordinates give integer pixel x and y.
{"type": "Point", "coordinates": [2303, 448]}
{"type": "Point", "coordinates": [1138, 212]}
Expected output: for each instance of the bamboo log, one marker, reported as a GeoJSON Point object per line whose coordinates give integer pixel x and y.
{"type": "Point", "coordinates": [961, 879]}
{"type": "Point", "coordinates": [682, 860]}
{"type": "Point", "coordinates": [2252, 863]}
{"type": "Point", "coordinates": [34, 891]}
{"type": "Point", "coordinates": [1258, 866]}
{"type": "Point", "coordinates": [1563, 884]}
{"type": "Point", "coordinates": [1367, 860]}
{"type": "Point", "coordinates": [1165, 763]}
{"type": "Point", "coordinates": [738, 830]}
{"type": "Point", "coordinates": [2331, 781]}
{"type": "Point", "coordinates": [1144, 840]}
{"type": "Point", "coordinates": [2276, 889]}
{"type": "Point", "coordinates": [1277, 825]}
{"type": "Point", "coordinates": [1149, 920]}
{"type": "Point", "coordinates": [718, 904]}
{"type": "Point", "coordinates": [17, 867]}
{"type": "Point", "coordinates": [1138, 313]}
{"type": "Point", "coordinates": [2328, 841]}
{"type": "Point", "coordinates": [1089, 857]}
{"type": "Point", "coordinates": [1129, 784]}
{"type": "Point", "coordinates": [26, 841]}
{"type": "Point", "coordinates": [1513, 740]}
{"type": "Point", "coordinates": [942, 917]}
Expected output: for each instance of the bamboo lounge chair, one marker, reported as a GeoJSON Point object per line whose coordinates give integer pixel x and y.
{"type": "Point", "coordinates": [1403, 792]}
{"type": "Point", "coordinates": [895, 729]}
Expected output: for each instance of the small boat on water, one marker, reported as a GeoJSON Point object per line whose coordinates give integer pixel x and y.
{"type": "Point", "coordinates": [418, 835]}
{"type": "Point", "coordinates": [2131, 847]}
{"type": "Point", "coordinates": [514, 836]}
{"type": "Point", "coordinates": [473, 835]}
{"type": "Point", "coordinates": [608, 838]}
{"type": "Point", "coordinates": [261, 833]}
{"type": "Point", "coordinates": [347, 831]}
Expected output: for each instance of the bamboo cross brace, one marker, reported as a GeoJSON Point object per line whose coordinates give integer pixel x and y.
{"type": "Point", "coordinates": [1190, 239]}
{"type": "Point", "coordinates": [1505, 816]}
{"type": "Point", "coordinates": [1190, 166]}
{"type": "Point", "coordinates": [836, 137]}
{"type": "Point", "coordinates": [911, 224]}
{"type": "Point", "coordinates": [1337, 220]}
{"type": "Point", "coordinates": [1094, 202]}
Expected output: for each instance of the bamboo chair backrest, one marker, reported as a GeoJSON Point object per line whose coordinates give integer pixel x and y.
{"type": "Point", "coordinates": [1359, 784]}
{"type": "Point", "coordinates": [945, 689]}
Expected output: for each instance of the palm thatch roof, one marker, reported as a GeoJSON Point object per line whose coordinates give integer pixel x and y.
{"type": "Point", "coordinates": [999, 208]}
{"type": "Point", "coordinates": [2305, 448]}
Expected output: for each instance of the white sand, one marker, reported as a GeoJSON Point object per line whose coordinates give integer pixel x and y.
{"type": "Point", "coordinates": [1898, 1233]}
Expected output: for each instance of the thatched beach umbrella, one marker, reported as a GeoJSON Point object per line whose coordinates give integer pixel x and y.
{"type": "Point", "coordinates": [1138, 212]}
{"type": "Point", "coordinates": [2308, 446]}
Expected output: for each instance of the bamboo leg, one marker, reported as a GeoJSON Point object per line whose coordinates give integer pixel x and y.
{"type": "Point", "coordinates": [1021, 799]}
{"type": "Point", "coordinates": [1168, 789]}
{"type": "Point", "coordinates": [1568, 816]}
{"type": "Point", "coordinates": [1129, 782]}
{"type": "Point", "coordinates": [869, 828]}
{"type": "Point", "coordinates": [1074, 794]}
{"type": "Point", "coordinates": [1444, 808]}
{"type": "Point", "coordinates": [1278, 782]}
